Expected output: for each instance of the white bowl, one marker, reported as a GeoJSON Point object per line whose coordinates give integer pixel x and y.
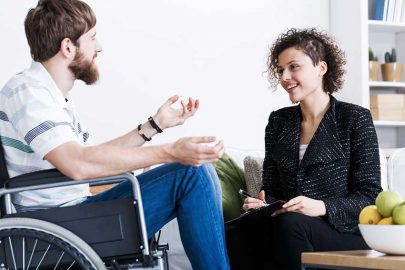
{"type": "Point", "coordinates": [389, 239]}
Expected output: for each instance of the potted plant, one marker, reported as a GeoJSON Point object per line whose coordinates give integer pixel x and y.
{"type": "Point", "coordinates": [392, 70]}
{"type": "Point", "coordinates": [373, 65]}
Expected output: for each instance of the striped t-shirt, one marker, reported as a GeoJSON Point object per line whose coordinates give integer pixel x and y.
{"type": "Point", "coordinates": [35, 118]}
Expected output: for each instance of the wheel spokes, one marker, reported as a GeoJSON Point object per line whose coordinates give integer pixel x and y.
{"type": "Point", "coordinates": [57, 263]}
{"type": "Point", "coordinates": [12, 252]}
{"type": "Point", "coordinates": [71, 265]}
{"type": "Point", "coordinates": [23, 253]}
{"type": "Point", "coordinates": [25, 249]}
{"type": "Point", "coordinates": [32, 253]}
{"type": "Point", "coordinates": [46, 251]}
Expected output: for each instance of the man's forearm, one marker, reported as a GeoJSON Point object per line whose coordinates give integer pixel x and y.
{"type": "Point", "coordinates": [133, 138]}
{"type": "Point", "coordinates": [80, 162]}
{"type": "Point", "coordinates": [105, 160]}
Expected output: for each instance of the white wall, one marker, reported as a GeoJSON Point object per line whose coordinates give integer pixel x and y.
{"type": "Point", "coordinates": [213, 50]}
{"type": "Point", "coordinates": [355, 45]}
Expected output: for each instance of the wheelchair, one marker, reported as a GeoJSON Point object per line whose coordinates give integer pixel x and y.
{"type": "Point", "coordinates": [92, 236]}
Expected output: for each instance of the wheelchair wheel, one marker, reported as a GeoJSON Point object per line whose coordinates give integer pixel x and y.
{"type": "Point", "coordinates": [27, 243]}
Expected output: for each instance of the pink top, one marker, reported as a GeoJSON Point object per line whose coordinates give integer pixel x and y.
{"type": "Point", "coordinates": [303, 148]}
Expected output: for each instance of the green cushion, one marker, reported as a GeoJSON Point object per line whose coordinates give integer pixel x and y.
{"type": "Point", "coordinates": [232, 179]}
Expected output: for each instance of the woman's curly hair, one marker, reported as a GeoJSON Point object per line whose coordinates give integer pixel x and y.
{"type": "Point", "coordinates": [318, 46]}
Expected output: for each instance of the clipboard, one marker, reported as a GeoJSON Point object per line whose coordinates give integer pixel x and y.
{"type": "Point", "coordinates": [257, 213]}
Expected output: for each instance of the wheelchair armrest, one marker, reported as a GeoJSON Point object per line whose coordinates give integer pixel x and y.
{"type": "Point", "coordinates": [37, 178]}
{"type": "Point", "coordinates": [53, 178]}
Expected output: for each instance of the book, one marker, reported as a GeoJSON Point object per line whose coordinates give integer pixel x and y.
{"type": "Point", "coordinates": [386, 2]}
{"type": "Point", "coordinates": [398, 10]}
{"type": "Point", "coordinates": [402, 15]}
{"type": "Point", "coordinates": [257, 214]}
{"type": "Point", "coordinates": [390, 11]}
{"type": "Point", "coordinates": [379, 10]}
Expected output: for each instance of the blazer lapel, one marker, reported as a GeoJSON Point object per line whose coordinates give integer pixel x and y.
{"type": "Point", "coordinates": [325, 145]}
{"type": "Point", "coordinates": [287, 143]}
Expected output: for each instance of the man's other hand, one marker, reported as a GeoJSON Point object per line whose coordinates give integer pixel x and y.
{"type": "Point", "coordinates": [167, 116]}
{"type": "Point", "coordinates": [194, 151]}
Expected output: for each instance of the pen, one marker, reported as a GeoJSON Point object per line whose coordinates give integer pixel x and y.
{"type": "Point", "coordinates": [244, 193]}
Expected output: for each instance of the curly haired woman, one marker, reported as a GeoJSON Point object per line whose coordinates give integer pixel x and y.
{"type": "Point", "coordinates": [321, 158]}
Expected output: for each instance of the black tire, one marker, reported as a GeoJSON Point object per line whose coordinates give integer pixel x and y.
{"type": "Point", "coordinates": [28, 243]}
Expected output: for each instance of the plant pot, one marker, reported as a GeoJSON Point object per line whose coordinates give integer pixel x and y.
{"type": "Point", "coordinates": [374, 67]}
{"type": "Point", "coordinates": [392, 72]}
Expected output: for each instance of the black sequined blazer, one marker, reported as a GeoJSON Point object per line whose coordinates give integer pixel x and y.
{"type": "Point", "coordinates": [341, 164]}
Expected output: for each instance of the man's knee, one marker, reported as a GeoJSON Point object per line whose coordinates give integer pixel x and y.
{"type": "Point", "coordinates": [205, 172]}
{"type": "Point", "coordinates": [195, 176]}
{"type": "Point", "coordinates": [205, 177]}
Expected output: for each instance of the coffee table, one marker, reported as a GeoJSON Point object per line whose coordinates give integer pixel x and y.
{"type": "Point", "coordinates": [354, 259]}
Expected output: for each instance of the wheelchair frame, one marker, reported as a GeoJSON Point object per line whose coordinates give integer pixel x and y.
{"type": "Point", "coordinates": [155, 256]}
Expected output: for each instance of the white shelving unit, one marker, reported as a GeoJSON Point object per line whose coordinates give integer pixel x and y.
{"type": "Point", "coordinates": [385, 27]}
{"type": "Point", "coordinates": [382, 37]}
{"type": "Point", "coordinates": [391, 85]}
{"type": "Point", "coordinates": [380, 123]}
{"type": "Point", "coordinates": [352, 25]}
{"type": "Point", "coordinates": [387, 87]}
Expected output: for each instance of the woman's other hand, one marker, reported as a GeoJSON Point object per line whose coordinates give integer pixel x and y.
{"type": "Point", "coordinates": [304, 205]}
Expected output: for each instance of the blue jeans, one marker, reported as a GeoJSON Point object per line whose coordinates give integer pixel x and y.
{"type": "Point", "coordinates": [193, 195]}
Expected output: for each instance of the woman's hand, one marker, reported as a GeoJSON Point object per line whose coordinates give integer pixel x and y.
{"type": "Point", "coordinates": [167, 116]}
{"type": "Point", "coordinates": [304, 205]}
{"type": "Point", "coordinates": [253, 202]}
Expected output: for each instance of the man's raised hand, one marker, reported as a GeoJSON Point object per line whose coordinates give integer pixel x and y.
{"type": "Point", "coordinates": [167, 116]}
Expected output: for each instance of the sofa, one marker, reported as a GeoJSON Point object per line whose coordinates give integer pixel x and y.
{"type": "Point", "coordinates": [246, 166]}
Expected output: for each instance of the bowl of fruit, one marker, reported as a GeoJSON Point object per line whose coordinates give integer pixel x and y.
{"type": "Point", "coordinates": [383, 225]}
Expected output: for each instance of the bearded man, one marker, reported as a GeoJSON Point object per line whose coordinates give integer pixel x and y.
{"type": "Point", "coordinates": [41, 130]}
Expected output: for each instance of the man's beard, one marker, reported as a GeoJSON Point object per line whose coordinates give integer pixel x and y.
{"type": "Point", "coordinates": [84, 69]}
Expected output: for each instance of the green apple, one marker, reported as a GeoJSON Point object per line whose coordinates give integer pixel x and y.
{"type": "Point", "coordinates": [398, 214]}
{"type": "Point", "coordinates": [386, 202]}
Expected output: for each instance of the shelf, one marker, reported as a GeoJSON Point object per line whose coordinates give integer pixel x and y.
{"type": "Point", "coordinates": [382, 26]}
{"type": "Point", "coordinates": [382, 123]}
{"type": "Point", "coordinates": [386, 84]}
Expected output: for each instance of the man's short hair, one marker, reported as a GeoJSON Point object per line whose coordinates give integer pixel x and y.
{"type": "Point", "coordinates": [51, 21]}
